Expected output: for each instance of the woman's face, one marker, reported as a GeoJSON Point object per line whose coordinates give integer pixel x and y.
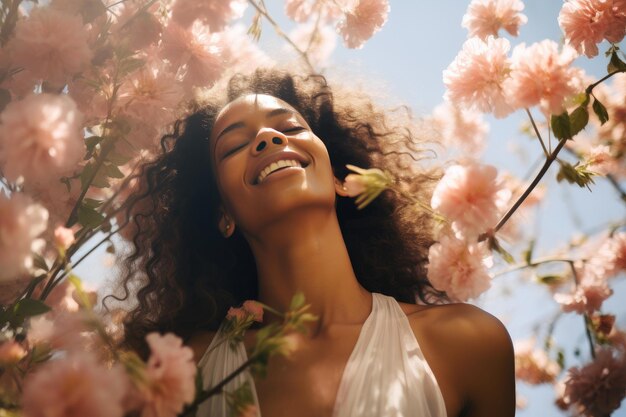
{"type": "Point", "coordinates": [268, 163]}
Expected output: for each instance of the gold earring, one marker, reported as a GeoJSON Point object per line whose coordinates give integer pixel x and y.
{"type": "Point", "coordinates": [343, 187]}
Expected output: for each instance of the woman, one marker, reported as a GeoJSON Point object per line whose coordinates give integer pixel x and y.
{"type": "Point", "coordinates": [222, 221]}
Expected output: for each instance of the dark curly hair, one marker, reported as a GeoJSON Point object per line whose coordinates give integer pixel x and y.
{"type": "Point", "coordinates": [186, 275]}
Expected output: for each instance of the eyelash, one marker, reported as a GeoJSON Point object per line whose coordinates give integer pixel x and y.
{"type": "Point", "coordinates": [236, 148]}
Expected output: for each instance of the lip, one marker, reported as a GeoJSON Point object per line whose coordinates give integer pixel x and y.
{"type": "Point", "coordinates": [274, 157]}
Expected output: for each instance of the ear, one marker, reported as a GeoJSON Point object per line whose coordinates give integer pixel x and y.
{"type": "Point", "coordinates": [340, 188]}
{"type": "Point", "coordinates": [226, 225]}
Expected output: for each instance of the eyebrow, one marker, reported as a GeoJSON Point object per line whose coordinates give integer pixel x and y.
{"type": "Point", "coordinates": [237, 125]}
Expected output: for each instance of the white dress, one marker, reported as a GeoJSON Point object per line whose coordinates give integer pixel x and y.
{"type": "Point", "coordinates": [385, 376]}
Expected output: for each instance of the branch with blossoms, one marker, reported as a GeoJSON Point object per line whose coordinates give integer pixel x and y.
{"type": "Point", "coordinates": [479, 207]}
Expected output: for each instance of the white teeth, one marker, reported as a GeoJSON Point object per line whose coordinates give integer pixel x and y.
{"type": "Point", "coordinates": [275, 166]}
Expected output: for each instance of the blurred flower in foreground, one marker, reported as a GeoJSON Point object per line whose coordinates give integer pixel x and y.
{"type": "Point", "coordinates": [461, 129]}
{"type": "Point", "coordinates": [21, 222]}
{"type": "Point", "coordinates": [596, 389]}
{"type": "Point", "coordinates": [459, 268]}
{"type": "Point", "coordinates": [486, 17]}
{"type": "Point", "coordinates": [41, 138]}
{"type": "Point", "coordinates": [586, 23]}
{"type": "Point", "coordinates": [366, 184]}
{"type": "Point", "coordinates": [74, 386]}
{"type": "Point", "coordinates": [475, 78]}
{"type": "Point", "coordinates": [533, 365]}
{"type": "Point", "coordinates": [362, 21]}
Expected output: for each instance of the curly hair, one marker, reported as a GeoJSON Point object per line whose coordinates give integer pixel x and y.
{"type": "Point", "coordinates": [186, 275]}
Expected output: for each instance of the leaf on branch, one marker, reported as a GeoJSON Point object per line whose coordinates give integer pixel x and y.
{"type": "Point", "coordinates": [112, 171]}
{"type": "Point", "coordinates": [297, 301]}
{"type": "Point", "coordinates": [578, 120]}
{"type": "Point", "coordinates": [255, 27]}
{"type": "Point", "coordinates": [600, 111]}
{"type": "Point", "coordinates": [550, 279]}
{"type": "Point", "coordinates": [25, 308]}
{"type": "Point", "coordinates": [88, 217]}
{"type": "Point", "coordinates": [99, 181]}
{"type": "Point", "coordinates": [40, 262]}
{"type": "Point", "coordinates": [615, 64]}
{"type": "Point", "coordinates": [91, 143]}
{"type": "Point", "coordinates": [528, 253]}
{"type": "Point", "coordinates": [494, 245]}
{"type": "Point", "coordinates": [117, 159]}
{"type": "Point", "coordinates": [561, 126]}
{"type": "Point", "coordinates": [578, 174]}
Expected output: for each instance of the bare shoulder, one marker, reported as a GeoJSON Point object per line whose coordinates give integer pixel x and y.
{"type": "Point", "coordinates": [471, 353]}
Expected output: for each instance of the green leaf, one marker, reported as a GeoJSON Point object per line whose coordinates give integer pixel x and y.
{"type": "Point", "coordinates": [495, 246]}
{"type": "Point", "coordinates": [89, 217]}
{"type": "Point", "coordinates": [113, 171]}
{"type": "Point", "coordinates": [28, 307]}
{"type": "Point", "coordinates": [600, 111]}
{"type": "Point", "coordinates": [91, 142]}
{"type": "Point", "coordinates": [528, 253]}
{"type": "Point", "coordinates": [40, 262]}
{"type": "Point", "coordinates": [561, 126]}
{"type": "Point", "coordinates": [550, 279]}
{"type": "Point", "coordinates": [117, 159]}
{"type": "Point", "coordinates": [578, 119]}
{"type": "Point", "coordinates": [91, 203]}
{"type": "Point", "coordinates": [615, 64]}
{"type": "Point", "coordinates": [297, 301]}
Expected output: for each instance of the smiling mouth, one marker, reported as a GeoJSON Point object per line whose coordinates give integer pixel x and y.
{"type": "Point", "coordinates": [278, 166]}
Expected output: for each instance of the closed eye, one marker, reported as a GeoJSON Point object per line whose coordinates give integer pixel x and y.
{"type": "Point", "coordinates": [235, 149]}
{"type": "Point", "coordinates": [294, 129]}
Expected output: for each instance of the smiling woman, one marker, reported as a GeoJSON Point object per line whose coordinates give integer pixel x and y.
{"type": "Point", "coordinates": [246, 201]}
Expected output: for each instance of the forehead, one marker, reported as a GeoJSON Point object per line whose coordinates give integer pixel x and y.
{"type": "Point", "coordinates": [244, 106]}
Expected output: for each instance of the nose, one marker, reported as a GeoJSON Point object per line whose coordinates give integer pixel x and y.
{"type": "Point", "coordinates": [267, 138]}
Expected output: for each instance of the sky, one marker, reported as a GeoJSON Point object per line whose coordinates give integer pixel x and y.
{"type": "Point", "coordinates": [406, 59]}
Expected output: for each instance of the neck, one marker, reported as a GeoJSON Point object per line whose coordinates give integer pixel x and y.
{"type": "Point", "coordinates": [307, 254]}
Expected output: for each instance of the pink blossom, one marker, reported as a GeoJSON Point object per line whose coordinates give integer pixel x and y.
{"type": "Point", "coordinates": [318, 44]}
{"type": "Point", "coordinates": [362, 20]}
{"type": "Point", "coordinates": [475, 78]}
{"type": "Point", "coordinates": [471, 197]}
{"type": "Point", "coordinates": [587, 297]}
{"type": "Point", "coordinates": [40, 138]}
{"type": "Point", "coordinates": [21, 222]}
{"type": "Point", "coordinates": [241, 53]}
{"type": "Point", "coordinates": [459, 268]}
{"type": "Point", "coordinates": [197, 51]}
{"type": "Point", "coordinates": [586, 23]}
{"type": "Point", "coordinates": [486, 17]}
{"type": "Point", "coordinates": [51, 44]}
{"type": "Point", "coordinates": [303, 10]}
{"type": "Point", "coordinates": [542, 76]}
{"type": "Point", "coordinates": [609, 258]}
{"type": "Point", "coordinates": [11, 352]}
{"type": "Point", "coordinates": [74, 386]}
{"type": "Point", "coordinates": [533, 365]}
{"type": "Point", "coordinates": [170, 372]}
{"type": "Point", "coordinates": [215, 13]}
{"type": "Point", "coordinates": [597, 389]}
{"type": "Point", "coordinates": [236, 313]}
{"type": "Point", "coordinates": [144, 28]}
{"type": "Point", "coordinates": [601, 161]}
{"type": "Point", "coordinates": [460, 129]}
{"type": "Point", "coordinates": [63, 237]}
{"type": "Point", "coordinates": [254, 309]}
{"type": "Point", "coordinates": [354, 185]}
{"type": "Point", "coordinates": [60, 329]}
{"type": "Point", "coordinates": [60, 298]}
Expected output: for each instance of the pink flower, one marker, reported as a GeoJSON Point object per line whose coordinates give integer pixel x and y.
{"type": "Point", "coordinates": [74, 386]}
{"type": "Point", "coordinates": [51, 44]}
{"type": "Point", "coordinates": [475, 78]}
{"type": "Point", "coordinates": [601, 161]}
{"type": "Point", "coordinates": [236, 313]}
{"type": "Point", "coordinates": [215, 13]}
{"type": "Point", "coordinates": [587, 297]}
{"type": "Point", "coordinates": [11, 352]}
{"type": "Point", "coordinates": [471, 197]}
{"type": "Point", "coordinates": [318, 44]}
{"type": "Point", "coordinates": [598, 388]}
{"type": "Point", "coordinates": [303, 10]}
{"type": "Point", "coordinates": [21, 222]}
{"type": "Point", "coordinates": [533, 365]}
{"type": "Point", "coordinates": [362, 20]}
{"type": "Point", "coordinates": [170, 372]}
{"type": "Point", "coordinates": [610, 258]}
{"type": "Point", "coordinates": [586, 23]}
{"type": "Point", "coordinates": [486, 17]}
{"type": "Point", "coordinates": [63, 237]}
{"type": "Point", "coordinates": [460, 129]}
{"type": "Point", "coordinates": [197, 51]}
{"type": "Point", "coordinates": [254, 309]}
{"type": "Point", "coordinates": [60, 329]}
{"type": "Point", "coordinates": [40, 138]}
{"type": "Point", "coordinates": [240, 52]}
{"type": "Point", "coordinates": [144, 28]}
{"type": "Point", "coordinates": [459, 268]}
{"type": "Point", "coordinates": [542, 76]}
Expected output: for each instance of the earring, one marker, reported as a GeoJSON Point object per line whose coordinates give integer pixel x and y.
{"type": "Point", "coordinates": [343, 187]}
